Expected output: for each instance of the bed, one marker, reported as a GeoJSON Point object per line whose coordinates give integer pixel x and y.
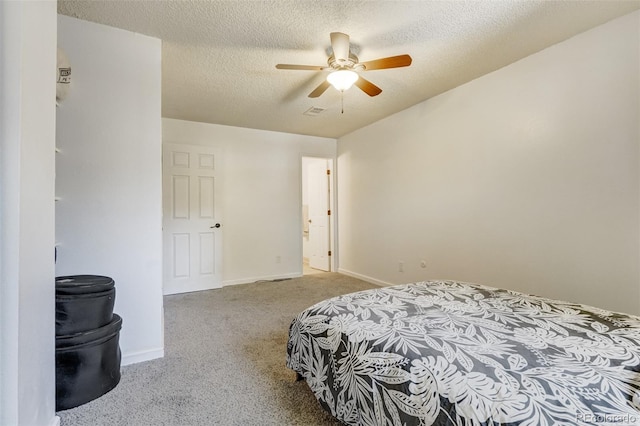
{"type": "Point", "coordinates": [452, 353]}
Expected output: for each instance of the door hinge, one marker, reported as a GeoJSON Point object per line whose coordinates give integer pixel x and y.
{"type": "Point", "coordinates": [328, 172]}
{"type": "Point", "coordinates": [329, 252]}
{"type": "Point", "coordinates": [329, 212]}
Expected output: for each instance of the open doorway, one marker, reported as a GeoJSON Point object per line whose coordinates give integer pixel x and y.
{"type": "Point", "coordinates": [317, 202]}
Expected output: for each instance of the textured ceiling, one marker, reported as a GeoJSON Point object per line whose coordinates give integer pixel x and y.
{"type": "Point", "coordinates": [219, 57]}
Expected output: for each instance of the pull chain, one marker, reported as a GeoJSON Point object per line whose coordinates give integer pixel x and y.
{"type": "Point", "coordinates": [342, 101]}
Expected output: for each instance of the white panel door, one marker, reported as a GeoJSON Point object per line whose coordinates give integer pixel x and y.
{"type": "Point", "coordinates": [191, 228]}
{"type": "Point", "coordinates": [318, 198]}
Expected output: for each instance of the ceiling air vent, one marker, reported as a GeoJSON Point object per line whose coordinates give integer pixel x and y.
{"type": "Point", "coordinates": [313, 111]}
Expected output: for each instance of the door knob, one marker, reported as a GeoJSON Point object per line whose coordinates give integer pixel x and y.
{"type": "Point", "coordinates": [217, 225]}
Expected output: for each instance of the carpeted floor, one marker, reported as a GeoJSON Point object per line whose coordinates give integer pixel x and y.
{"type": "Point", "coordinates": [224, 361]}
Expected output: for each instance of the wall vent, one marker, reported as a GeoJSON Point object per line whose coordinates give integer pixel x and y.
{"type": "Point", "coordinates": [313, 111]}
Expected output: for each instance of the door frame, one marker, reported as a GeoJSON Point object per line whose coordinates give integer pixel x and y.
{"type": "Point", "coordinates": [333, 229]}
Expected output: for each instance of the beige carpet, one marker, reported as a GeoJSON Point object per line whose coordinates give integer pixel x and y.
{"type": "Point", "coordinates": [224, 361]}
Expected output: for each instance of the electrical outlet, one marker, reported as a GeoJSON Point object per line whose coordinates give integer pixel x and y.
{"type": "Point", "coordinates": [423, 264]}
{"type": "Point", "coordinates": [400, 266]}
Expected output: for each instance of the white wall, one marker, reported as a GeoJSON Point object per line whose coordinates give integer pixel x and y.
{"type": "Point", "coordinates": [108, 220]}
{"type": "Point", "coordinates": [526, 178]}
{"type": "Point", "coordinates": [260, 194]}
{"type": "Point", "coordinates": [27, 131]}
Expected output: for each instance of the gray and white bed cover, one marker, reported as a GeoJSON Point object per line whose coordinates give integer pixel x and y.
{"type": "Point", "coordinates": [451, 353]}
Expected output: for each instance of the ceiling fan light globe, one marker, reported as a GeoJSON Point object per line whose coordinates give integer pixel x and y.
{"type": "Point", "coordinates": [342, 79]}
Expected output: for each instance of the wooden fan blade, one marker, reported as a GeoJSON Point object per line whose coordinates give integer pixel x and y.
{"type": "Point", "coordinates": [299, 67]}
{"type": "Point", "coordinates": [340, 46]}
{"type": "Point", "coordinates": [320, 89]}
{"type": "Point", "coordinates": [390, 62]}
{"type": "Point", "coordinates": [368, 87]}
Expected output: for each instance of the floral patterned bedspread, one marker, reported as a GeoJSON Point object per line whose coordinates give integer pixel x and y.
{"type": "Point", "coordinates": [450, 353]}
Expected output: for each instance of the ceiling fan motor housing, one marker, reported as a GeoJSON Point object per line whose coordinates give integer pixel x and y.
{"type": "Point", "coordinates": [349, 64]}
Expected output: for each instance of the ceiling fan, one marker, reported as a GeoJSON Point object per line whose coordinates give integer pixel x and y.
{"type": "Point", "coordinates": [345, 66]}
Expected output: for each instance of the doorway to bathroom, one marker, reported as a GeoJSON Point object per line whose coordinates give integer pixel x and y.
{"type": "Point", "coordinates": [317, 204]}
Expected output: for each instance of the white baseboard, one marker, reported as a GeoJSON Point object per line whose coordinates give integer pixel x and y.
{"type": "Point", "coordinates": [141, 356]}
{"type": "Point", "coordinates": [264, 278]}
{"type": "Point", "coordinates": [364, 278]}
{"type": "Point", "coordinates": [55, 421]}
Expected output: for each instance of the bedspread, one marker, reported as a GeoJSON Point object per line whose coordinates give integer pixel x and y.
{"type": "Point", "coordinates": [451, 353]}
